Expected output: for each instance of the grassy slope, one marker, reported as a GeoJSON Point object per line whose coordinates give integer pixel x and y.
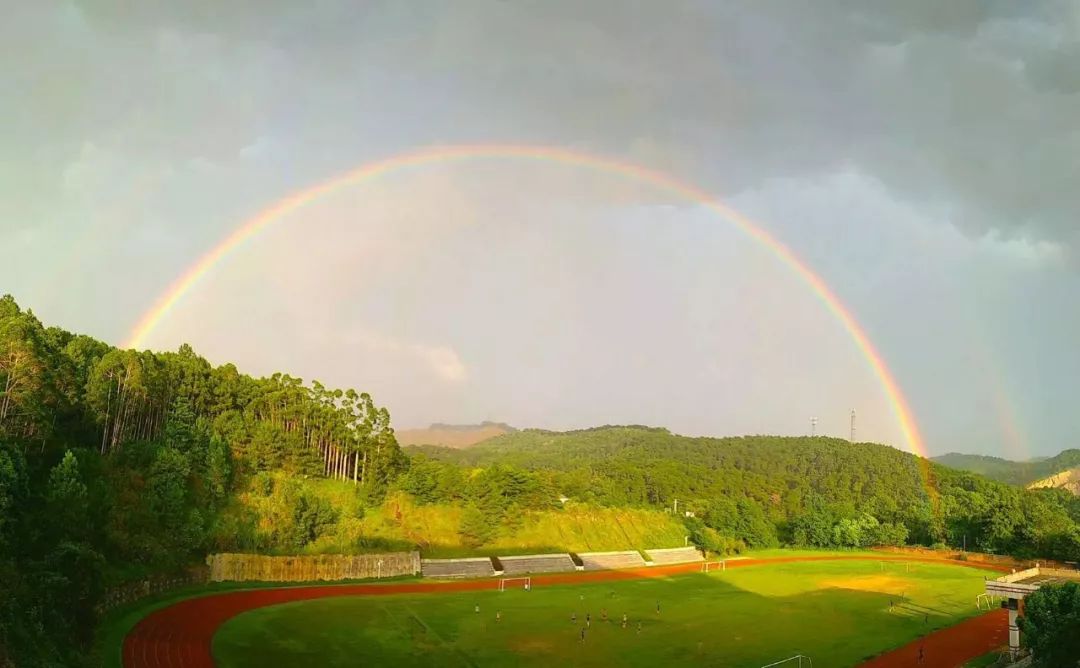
{"type": "Point", "coordinates": [401, 524]}
{"type": "Point", "coordinates": [742, 617]}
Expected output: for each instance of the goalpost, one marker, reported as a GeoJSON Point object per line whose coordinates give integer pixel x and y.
{"type": "Point", "coordinates": [791, 659]}
{"type": "Point", "coordinates": [524, 583]}
{"type": "Point", "coordinates": [712, 565]}
{"type": "Point", "coordinates": [989, 598]}
{"type": "Point", "coordinates": [907, 565]}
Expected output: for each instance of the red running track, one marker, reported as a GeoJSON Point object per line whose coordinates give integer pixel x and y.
{"type": "Point", "coordinates": [180, 635]}
{"type": "Point", "coordinates": [950, 647]}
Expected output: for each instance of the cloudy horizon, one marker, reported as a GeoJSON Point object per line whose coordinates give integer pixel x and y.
{"type": "Point", "coordinates": [921, 158]}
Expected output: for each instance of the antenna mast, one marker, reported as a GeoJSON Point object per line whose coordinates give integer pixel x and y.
{"type": "Point", "coordinates": [852, 425]}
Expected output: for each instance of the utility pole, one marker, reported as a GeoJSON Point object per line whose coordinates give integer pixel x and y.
{"type": "Point", "coordinates": [852, 425]}
{"type": "Point", "coordinates": [676, 506]}
{"type": "Point", "coordinates": [813, 426]}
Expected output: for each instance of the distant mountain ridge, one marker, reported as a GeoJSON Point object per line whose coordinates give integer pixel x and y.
{"type": "Point", "coordinates": [1061, 470]}
{"type": "Point", "coordinates": [453, 435]}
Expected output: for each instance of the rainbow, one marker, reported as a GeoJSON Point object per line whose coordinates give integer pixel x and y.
{"type": "Point", "coordinates": [252, 227]}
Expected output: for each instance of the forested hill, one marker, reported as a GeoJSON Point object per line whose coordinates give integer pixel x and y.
{"type": "Point", "coordinates": [767, 489]}
{"type": "Point", "coordinates": [116, 462]}
{"type": "Point", "coordinates": [636, 465]}
{"type": "Point", "coordinates": [1011, 472]}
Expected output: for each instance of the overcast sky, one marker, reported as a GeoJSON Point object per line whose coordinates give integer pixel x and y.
{"type": "Point", "coordinates": [923, 157]}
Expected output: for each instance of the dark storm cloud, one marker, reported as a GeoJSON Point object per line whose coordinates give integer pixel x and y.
{"type": "Point", "coordinates": [969, 106]}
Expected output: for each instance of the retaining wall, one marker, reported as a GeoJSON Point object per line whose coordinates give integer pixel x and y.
{"type": "Point", "coordinates": [256, 567]}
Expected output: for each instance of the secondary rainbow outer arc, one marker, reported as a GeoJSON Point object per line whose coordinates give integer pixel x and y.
{"type": "Point", "coordinates": [267, 217]}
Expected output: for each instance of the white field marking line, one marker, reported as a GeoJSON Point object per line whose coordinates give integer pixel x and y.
{"type": "Point", "coordinates": [157, 646]}
{"type": "Point", "coordinates": [168, 648]}
{"type": "Point", "coordinates": [145, 662]}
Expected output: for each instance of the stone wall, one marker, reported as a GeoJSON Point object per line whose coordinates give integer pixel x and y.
{"type": "Point", "coordinates": [261, 568]}
{"type": "Point", "coordinates": [157, 584]}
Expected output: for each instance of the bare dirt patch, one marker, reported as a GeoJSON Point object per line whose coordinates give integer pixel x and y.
{"type": "Point", "coordinates": [886, 584]}
{"type": "Point", "coordinates": [533, 646]}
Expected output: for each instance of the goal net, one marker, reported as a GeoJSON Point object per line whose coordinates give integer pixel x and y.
{"type": "Point", "coordinates": [709, 566]}
{"type": "Point", "coordinates": [524, 583]}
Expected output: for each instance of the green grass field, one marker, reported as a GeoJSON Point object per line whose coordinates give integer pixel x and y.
{"type": "Point", "coordinates": [838, 613]}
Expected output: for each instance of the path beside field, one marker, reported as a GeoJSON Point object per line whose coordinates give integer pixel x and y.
{"type": "Point", "coordinates": [181, 634]}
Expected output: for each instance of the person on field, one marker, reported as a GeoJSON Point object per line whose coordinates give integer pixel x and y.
{"type": "Point", "coordinates": [588, 619]}
{"type": "Point", "coordinates": [582, 634]}
{"type": "Point", "coordinates": [624, 620]}
{"type": "Point", "coordinates": [498, 616]}
{"type": "Point", "coordinates": [658, 607]}
{"type": "Point", "coordinates": [573, 618]}
{"type": "Point", "coordinates": [922, 653]}
{"type": "Point", "coordinates": [478, 608]}
{"type": "Point", "coordinates": [603, 614]}
{"type": "Point", "coordinates": [639, 628]}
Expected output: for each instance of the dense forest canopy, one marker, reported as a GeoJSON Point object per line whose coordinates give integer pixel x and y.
{"type": "Point", "coordinates": [115, 464]}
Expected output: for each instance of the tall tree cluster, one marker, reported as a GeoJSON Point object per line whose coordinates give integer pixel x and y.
{"type": "Point", "coordinates": [118, 463]}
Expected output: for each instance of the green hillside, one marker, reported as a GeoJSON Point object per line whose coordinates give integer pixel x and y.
{"type": "Point", "coordinates": [1007, 471]}
{"type": "Point", "coordinates": [767, 490]}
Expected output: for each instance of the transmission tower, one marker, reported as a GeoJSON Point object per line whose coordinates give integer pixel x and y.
{"type": "Point", "coordinates": [852, 425]}
{"type": "Point", "coordinates": [813, 426]}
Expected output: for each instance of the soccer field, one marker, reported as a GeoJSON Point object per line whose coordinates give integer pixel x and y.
{"type": "Point", "coordinates": [837, 613]}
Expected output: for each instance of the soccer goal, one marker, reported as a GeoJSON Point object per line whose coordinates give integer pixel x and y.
{"type": "Point", "coordinates": [907, 565]}
{"type": "Point", "coordinates": [713, 566]}
{"type": "Point", "coordinates": [985, 598]}
{"type": "Point", "coordinates": [796, 660]}
{"type": "Point", "coordinates": [524, 583]}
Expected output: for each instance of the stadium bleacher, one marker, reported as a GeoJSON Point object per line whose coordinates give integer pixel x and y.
{"type": "Point", "coordinates": [599, 561]}
{"type": "Point", "coordinates": [675, 555]}
{"type": "Point", "coordinates": [537, 563]}
{"type": "Point", "coordinates": [473, 567]}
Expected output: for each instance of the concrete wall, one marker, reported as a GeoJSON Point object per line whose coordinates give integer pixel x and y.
{"type": "Point", "coordinates": [261, 568]}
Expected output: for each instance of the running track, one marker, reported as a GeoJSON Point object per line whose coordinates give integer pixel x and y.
{"type": "Point", "coordinates": [179, 636]}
